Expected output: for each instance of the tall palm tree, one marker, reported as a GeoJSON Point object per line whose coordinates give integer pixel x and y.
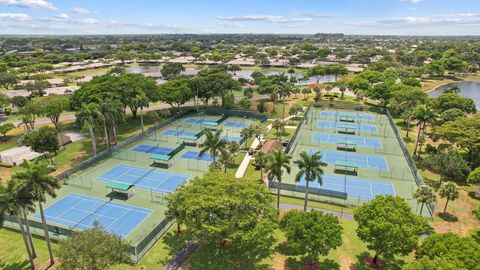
{"type": "Point", "coordinates": [111, 113]}
{"type": "Point", "coordinates": [424, 115]}
{"type": "Point", "coordinates": [261, 160]}
{"type": "Point", "coordinates": [277, 162]}
{"type": "Point", "coordinates": [310, 168]}
{"type": "Point", "coordinates": [117, 115]}
{"type": "Point", "coordinates": [424, 194]}
{"type": "Point", "coordinates": [284, 90]}
{"type": "Point", "coordinates": [141, 101]}
{"type": "Point", "coordinates": [12, 202]}
{"type": "Point", "coordinates": [226, 158]}
{"type": "Point", "coordinates": [278, 125]}
{"type": "Point", "coordinates": [448, 190]}
{"type": "Point", "coordinates": [36, 178]}
{"type": "Point", "coordinates": [89, 113]}
{"type": "Point", "coordinates": [213, 143]}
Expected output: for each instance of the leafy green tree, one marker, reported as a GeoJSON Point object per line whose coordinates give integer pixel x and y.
{"type": "Point", "coordinates": [5, 128]}
{"type": "Point", "coordinates": [464, 132]}
{"type": "Point", "coordinates": [448, 190]}
{"type": "Point", "coordinates": [226, 158]}
{"type": "Point", "coordinates": [14, 200]}
{"type": "Point", "coordinates": [312, 233]}
{"type": "Point", "coordinates": [336, 70]}
{"type": "Point", "coordinates": [89, 113]}
{"type": "Point", "coordinates": [52, 107]}
{"type": "Point", "coordinates": [449, 164]}
{"type": "Point", "coordinates": [424, 195]}
{"type": "Point", "coordinates": [218, 82]}
{"type": "Point", "coordinates": [175, 92]}
{"type": "Point", "coordinates": [19, 101]}
{"type": "Point", "coordinates": [359, 86]}
{"type": "Point", "coordinates": [208, 208]}
{"type": "Point", "coordinates": [295, 109]}
{"type": "Point", "coordinates": [474, 176]}
{"type": "Point", "coordinates": [37, 87]}
{"type": "Point", "coordinates": [245, 103]}
{"type": "Point", "coordinates": [426, 263]}
{"type": "Point", "coordinates": [213, 143]}
{"type": "Point", "coordinates": [448, 101]}
{"type": "Point", "coordinates": [278, 162]}
{"type": "Point", "coordinates": [461, 252]}
{"type": "Point", "coordinates": [310, 169]}
{"type": "Point", "coordinates": [317, 72]}
{"type": "Point", "coordinates": [36, 178]}
{"type": "Point", "coordinates": [92, 249]}
{"type": "Point", "coordinates": [389, 227]}
{"type": "Point", "coordinates": [171, 70]}
{"type": "Point", "coordinates": [123, 56]}
{"type": "Point", "coordinates": [450, 115]}
{"type": "Point", "coordinates": [44, 140]}
{"type": "Point", "coordinates": [7, 79]}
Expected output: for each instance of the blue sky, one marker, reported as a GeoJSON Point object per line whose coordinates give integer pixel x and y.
{"type": "Point", "coordinates": [390, 17]}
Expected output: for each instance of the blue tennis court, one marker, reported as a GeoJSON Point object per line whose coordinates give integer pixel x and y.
{"type": "Point", "coordinates": [200, 121]}
{"type": "Point", "coordinates": [194, 155]}
{"type": "Point", "coordinates": [231, 139]}
{"type": "Point", "coordinates": [338, 125]}
{"type": "Point", "coordinates": [358, 116]}
{"type": "Point", "coordinates": [358, 140]}
{"type": "Point", "coordinates": [78, 211]}
{"type": "Point", "coordinates": [151, 179]}
{"type": "Point", "coordinates": [235, 125]}
{"type": "Point", "coordinates": [362, 161]}
{"type": "Point", "coordinates": [144, 148]}
{"type": "Point", "coordinates": [355, 187]}
{"type": "Point", "coordinates": [172, 132]}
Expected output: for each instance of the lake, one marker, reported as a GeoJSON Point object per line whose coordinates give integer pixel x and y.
{"type": "Point", "coordinates": [469, 89]}
{"type": "Point", "coordinates": [244, 73]}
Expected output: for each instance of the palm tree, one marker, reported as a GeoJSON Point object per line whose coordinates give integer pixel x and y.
{"type": "Point", "coordinates": [277, 162]}
{"type": "Point", "coordinates": [89, 113]}
{"type": "Point", "coordinates": [116, 116]}
{"type": "Point", "coordinates": [213, 143]}
{"type": "Point", "coordinates": [105, 110]}
{"type": "Point", "coordinates": [278, 125]}
{"type": "Point", "coordinates": [141, 101]}
{"type": "Point", "coordinates": [424, 115]}
{"type": "Point", "coordinates": [261, 160]}
{"type": "Point", "coordinates": [35, 177]}
{"type": "Point", "coordinates": [310, 167]}
{"type": "Point", "coordinates": [13, 199]}
{"type": "Point", "coordinates": [283, 91]}
{"type": "Point", "coordinates": [424, 194]}
{"type": "Point", "coordinates": [226, 158]}
{"type": "Point", "coordinates": [448, 190]}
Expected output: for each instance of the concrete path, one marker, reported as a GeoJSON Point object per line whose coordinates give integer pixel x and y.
{"type": "Point", "coordinates": [246, 160]}
{"type": "Point", "coordinates": [181, 257]}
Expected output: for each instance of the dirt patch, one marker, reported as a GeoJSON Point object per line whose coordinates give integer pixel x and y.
{"type": "Point", "coordinates": [279, 261]}
{"type": "Point", "coordinates": [462, 209]}
{"type": "Point", "coordinates": [5, 174]}
{"type": "Point", "coordinates": [345, 259]}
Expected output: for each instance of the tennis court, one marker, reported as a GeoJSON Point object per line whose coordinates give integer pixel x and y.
{"type": "Point", "coordinates": [353, 126]}
{"type": "Point", "coordinates": [144, 148]}
{"type": "Point", "coordinates": [354, 187]}
{"type": "Point", "coordinates": [150, 179]}
{"type": "Point", "coordinates": [179, 133]}
{"type": "Point", "coordinates": [201, 121]}
{"type": "Point", "coordinates": [362, 161]}
{"type": "Point", "coordinates": [357, 116]}
{"type": "Point", "coordinates": [231, 139]}
{"type": "Point", "coordinates": [81, 212]}
{"type": "Point", "coordinates": [194, 155]}
{"type": "Point", "coordinates": [235, 125]}
{"type": "Point", "coordinates": [332, 138]}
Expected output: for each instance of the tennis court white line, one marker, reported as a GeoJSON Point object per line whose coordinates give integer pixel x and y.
{"type": "Point", "coordinates": [121, 207]}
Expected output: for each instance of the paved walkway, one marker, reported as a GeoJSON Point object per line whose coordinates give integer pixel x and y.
{"type": "Point", "coordinates": [181, 257]}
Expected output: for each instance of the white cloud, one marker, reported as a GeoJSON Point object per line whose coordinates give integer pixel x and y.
{"type": "Point", "coordinates": [316, 15]}
{"type": "Point", "coordinates": [233, 25]}
{"type": "Point", "coordinates": [89, 21]}
{"type": "Point", "coordinates": [29, 4]}
{"type": "Point", "coordinates": [412, 1]}
{"type": "Point", "coordinates": [62, 16]}
{"type": "Point", "coordinates": [20, 17]}
{"type": "Point", "coordinates": [80, 10]}
{"type": "Point", "coordinates": [263, 18]}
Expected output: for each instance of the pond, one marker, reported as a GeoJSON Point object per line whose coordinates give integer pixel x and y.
{"type": "Point", "coordinates": [469, 89]}
{"type": "Point", "coordinates": [244, 73]}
